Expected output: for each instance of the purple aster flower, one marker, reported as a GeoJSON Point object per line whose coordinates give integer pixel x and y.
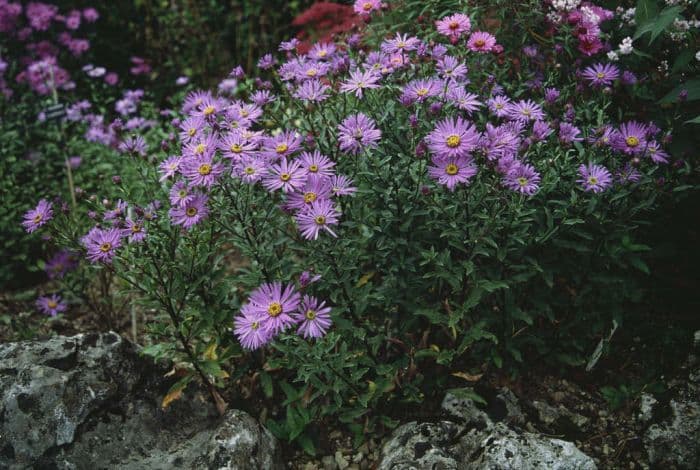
{"type": "Point", "coordinates": [180, 194]}
{"type": "Point", "coordinates": [204, 145]}
{"type": "Point", "coordinates": [481, 41]}
{"type": "Point", "coordinates": [201, 171]}
{"type": "Point", "coordinates": [316, 217]}
{"type": "Point", "coordinates": [595, 178]}
{"type": "Point", "coordinates": [551, 95]}
{"type": "Point", "coordinates": [250, 169]}
{"type": "Point", "coordinates": [102, 244]}
{"type": "Point", "coordinates": [601, 136]}
{"type": "Point", "coordinates": [341, 185]}
{"type": "Point", "coordinates": [656, 153]}
{"type": "Point", "coordinates": [307, 278]}
{"type": "Point", "coordinates": [51, 305]}
{"type": "Point", "coordinates": [262, 97]}
{"type": "Point", "coordinates": [420, 90]}
{"type": "Point", "coordinates": [541, 130]}
{"type": "Point", "coordinates": [630, 138]}
{"type": "Point", "coordinates": [169, 167]}
{"type": "Point", "coordinates": [248, 329]}
{"type": "Point", "coordinates": [499, 105]}
{"type": "Point", "coordinates": [450, 68]}
{"type": "Point", "coordinates": [568, 133]}
{"type": "Point", "coordinates": [628, 78]}
{"type": "Point", "coordinates": [266, 62]}
{"type": "Point", "coordinates": [317, 164]}
{"type": "Point", "coordinates": [525, 110]}
{"type": "Point", "coordinates": [38, 216]}
{"type": "Point", "coordinates": [59, 264]}
{"type": "Point", "coordinates": [191, 213]}
{"type": "Point", "coordinates": [235, 146]}
{"type": "Point", "coordinates": [118, 211]}
{"type": "Point", "coordinates": [365, 7]}
{"type": "Point", "coordinates": [454, 26]}
{"type": "Point", "coordinates": [285, 175]}
{"type": "Point", "coordinates": [628, 174]}
{"type": "Point", "coordinates": [600, 75]}
{"type": "Point", "coordinates": [316, 188]}
{"type": "Point", "coordinates": [499, 141]}
{"type": "Point", "coordinates": [282, 145]}
{"type": "Point", "coordinates": [313, 317]}
{"type": "Point", "coordinates": [452, 138]}
{"type": "Point", "coordinates": [450, 171]}
{"type": "Point", "coordinates": [358, 132]}
{"type": "Point", "coordinates": [312, 90]}
{"type": "Point", "coordinates": [274, 306]}
{"type": "Point", "coordinates": [322, 51]}
{"type": "Point", "coordinates": [359, 81]}
{"type": "Point", "coordinates": [522, 178]}
{"type": "Point", "coordinates": [289, 46]}
{"type": "Point", "coordinates": [135, 145]}
{"type": "Point", "coordinates": [400, 44]}
{"type": "Point", "coordinates": [134, 230]}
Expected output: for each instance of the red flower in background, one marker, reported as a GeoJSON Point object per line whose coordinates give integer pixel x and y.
{"type": "Point", "coordinates": [322, 21]}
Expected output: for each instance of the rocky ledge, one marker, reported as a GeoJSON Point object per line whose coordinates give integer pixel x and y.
{"type": "Point", "coordinates": [91, 402]}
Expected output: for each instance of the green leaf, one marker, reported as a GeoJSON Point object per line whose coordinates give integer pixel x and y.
{"type": "Point", "coordinates": [266, 382]}
{"type": "Point", "coordinates": [658, 25]}
{"type": "Point", "coordinates": [645, 11]}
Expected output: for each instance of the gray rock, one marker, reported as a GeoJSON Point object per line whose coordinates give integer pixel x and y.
{"type": "Point", "coordinates": [504, 448]}
{"type": "Point", "coordinates": [90, 401]}
{"type": "Point", "coordinates": [674, 440]}
{"type": "Point", "coordinates": [475, 442]}
{"type": "Point", "coordinates": [646, 407]}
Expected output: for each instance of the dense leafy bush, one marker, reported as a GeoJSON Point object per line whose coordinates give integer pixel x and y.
{"type": "Point", "coordinates": [360, 220]}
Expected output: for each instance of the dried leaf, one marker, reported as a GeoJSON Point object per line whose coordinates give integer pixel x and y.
{"type": "Point", "coordinates": [210, 352]}
{"type": "Point", "coordinates": [467, 377]}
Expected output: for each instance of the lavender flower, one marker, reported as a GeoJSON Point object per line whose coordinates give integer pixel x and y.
{"type": "Point", "coordinates": [51, 305]}
{"type": "Point", "coordinates": [450, 171]}
{"type": "Point", "coordinates": [595, 178]}
{"type": "Point", "coordinates": [190, 213]}
{"type": "Point", "coordinates": [452, 138]}
{"type": "Point", "coordinates": [102, 244]}
{"type": "Point", "coordinates": [313, 317]}
{"type": "Point", "coordinates": [38, 216]}
{"type": "Point", "coordinates": [359, 81]}
{"type": "Point", "coordinates": [522, 178]}
{"type": "Point", "coordinates": [248, 329]}
{"type": "Point", "coordinates": [273, 306]}
{"type": "Point", "coordinates": [285, 175]}
{"type": "Point", "coordinates": [600, 75]}
{"type": "Point", "coordinates": [317, 217]}
{"type": "Point", "coordinates": [357, 133]}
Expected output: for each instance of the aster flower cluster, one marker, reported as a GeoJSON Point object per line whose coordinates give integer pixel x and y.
{"type": "Point", "coordinates": [584, 19]}
{"type": "Point", "coordinates": [42, 71]}
{"type": "Point", "coordinates": [273, 308]}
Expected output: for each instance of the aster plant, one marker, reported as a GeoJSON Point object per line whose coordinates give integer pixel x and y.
{"type": "Point", "coordinates": [355, 221]}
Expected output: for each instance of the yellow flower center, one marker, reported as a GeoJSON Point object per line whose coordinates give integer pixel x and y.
{"type": "Point", "coordinates": [274, 309]}
{"type": "Point", "coordinates": [422, 92]}
{"type": "Point", "coordinates": [285, 176]}
{"type": "Point", "coordinates": [592, 180]}
{"type": "Point", "coordinates": [135, 228]}
{"type": "Point", "coordinates": [234, 124]}
{"type": "Point", "coordinates": [320, 220]}
{"type": "Point", "coordinates": [105, 247]}
{"type": "Point", "coordinates": [52, 304]}
{"type": "Point", "coordinates": [632, 141]}
{"type": "Point", "coordinates": [313, 168]}
{"type": "Point", "coordinates": [479, 43]}
{"type": "Point", "coordinates": [322, 53]}
{"type": "Point", "coordinates": [522, 181]}
{"type": "Point", "coordinates": [209, 110]}
{"type": "Point", "coordinates": [310, 314]}
{"type": "Point", "coordinates": [37, 218]}
{"type": "Point", "coordinates": [526, 112]}
{"type": "Point", "coordinates": [454, 25]}
{"type": "Point", "coordinates": [367, 6]}
{"type": "Point", "coordinates": [204, 169]}
{"type": "Point", "coordinates": [309, 197]}
{"type": "Point", "coordinates": [451, 169]}
{"type": "Point", "coordinates": [600, 75]}
{"type": "Point", "coordinates": [311, 72]}
{"type": "Point", "coordinates": [249, 170]}
{"type": "Point", "coordinates": [453, 141]}
{"type": "Point", "coordinates": [281, 148]}
{"type": "Point", "coordinates": [191, 211]}
{"type": "Point", "coordinates": [192, 132]}
{"type": "Point", "coordinates": [200, 148]}
{"type": "Point", "coordinates": [244, 112]}
{"type": "Point", "coordinates": [255, 325]}
{"type": "Point", "coordinates": [401, 45]}
{"type": "Point", "coordinates": [182, 193]}
{"type": "Point", "coordinates": [235, 148]}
